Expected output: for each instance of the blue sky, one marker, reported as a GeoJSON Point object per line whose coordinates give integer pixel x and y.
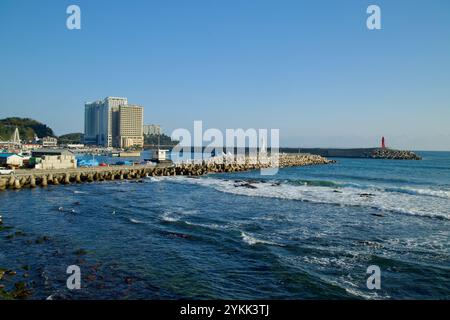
{"type": "Point", "coordinates": [310, 68]}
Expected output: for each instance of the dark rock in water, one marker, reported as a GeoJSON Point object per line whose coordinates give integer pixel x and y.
{"type": "Point", "coordinates": [371, 244]}
{"type": "Point", "coordinates": [19, 234]}
{"type": "Point", "coordinates": [337, 191]}
{"type": "Point", "coordinates": [41, 240]}
{"type": "Point", "coordinates": [76, 203]}
{"type": "Point", "coordinates": [2, 273]}
{"type": "Point", "coordinates": [377, 214]}
{"type": "Point", "coordinates": [5, 228]}
{"type": "Point", "coordinates": [178, 235]}
{"type": "Point", "coordinates": [366, 195]}
{"type": "Point", "coordinates": [10, 273]}
{"type": "Point", "coordinates": [91, 277]}
{"type": "Point", "coordinates": [21, 291]}
{"type": "Point", "coordinates": [80, 252]}
{"type": "Point", "coordinates": [275, 184]}
{"type": "Point", "coordinates": [95, 267]}
{"type": "Point", "coordinates": [245, 185]}
{"type": "Point", "coordinates": [128, 280]}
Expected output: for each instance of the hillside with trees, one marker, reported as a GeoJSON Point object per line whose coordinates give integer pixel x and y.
{"type": "Point", "coordinates": [165, 140]}
{"type": "Point", "coordinates": [70, 138]}
{"type": "Point", "coordinates": [27, 128]}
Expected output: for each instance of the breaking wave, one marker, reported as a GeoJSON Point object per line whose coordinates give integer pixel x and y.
{"type": "Point", "coordinates": [251, 240]}
{"type": "Point", "coordinates": [412, 201]}
{"type": "Point", "coordinates": [167, 217]}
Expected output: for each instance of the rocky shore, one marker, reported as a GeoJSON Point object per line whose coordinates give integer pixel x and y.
{"type": "Point", "coordinates": [34, 178]}
{"type": "Point", "coordinates": [394, 154]}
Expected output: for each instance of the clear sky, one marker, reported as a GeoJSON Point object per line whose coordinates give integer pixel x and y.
{"type": "Point", "coordinates": [310, 68]}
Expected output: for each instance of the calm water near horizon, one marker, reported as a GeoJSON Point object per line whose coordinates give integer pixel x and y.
{"type": "Point", "coordinates": [305, 233]}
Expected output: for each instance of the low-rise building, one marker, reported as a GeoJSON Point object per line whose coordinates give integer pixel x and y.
{"type": "Point", "coordinates": [11, 160]}
{"type": "Point", "coordinates": [49, 142]}
{"type": "Point", "coordinates": [53, 159]}
{"type": "Point", "coordinates": [75, 146]}
{"type": "Point", "coordinates": [30, 146]}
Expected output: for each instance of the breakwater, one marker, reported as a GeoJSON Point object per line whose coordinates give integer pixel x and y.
{"type": "Point", "coordinates": [32, 178]}
{"type": "Point", "coordinates": [369, 153]}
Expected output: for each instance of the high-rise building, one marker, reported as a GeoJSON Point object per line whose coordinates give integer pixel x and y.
{"type": "Point", "coordinates": [152, 129]}
{"type": "Point", "coordinates": [130, 126]}
{"type": "Point", "coordinates": [103, 122]}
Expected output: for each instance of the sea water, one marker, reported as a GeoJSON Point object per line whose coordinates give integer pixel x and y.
{"type": "Point", "coordinates": [305, 233]}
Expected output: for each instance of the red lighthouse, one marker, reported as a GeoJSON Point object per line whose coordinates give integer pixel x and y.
{"type": "Point", "coordinates": [383, 144]}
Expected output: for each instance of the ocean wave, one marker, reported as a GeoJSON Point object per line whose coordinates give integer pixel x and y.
{"type": "Point", "coordinates": [317, 183]}
{"type": "Point", "coordinates": [168, 217]}
{"type": "Point", "coordinates": [411, 202]}
{"type": "Point", "coordinates": [135, 221]}
{"type": "Point", "coordinates": [408, 190]}
{"type": "Point", "coordinates": [213, 226]}
{"type": "Point", "coordinates": [421, 192]}
{"type": "Point", "coordinates": [251, 240]}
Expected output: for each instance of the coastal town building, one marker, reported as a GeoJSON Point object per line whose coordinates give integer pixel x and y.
{"type": "Point", "coordinates": [152, 129]}
{"type": "Point", "coordinates": [30, 146]}
{"type": "Point", "coordinates": [112, 122]}
{"type": "Point", "coordinates": [53, 159]}
{"type": "Point", "coordinates": [49, 142]}
{"type": "Point", "coordinates": [130, 126]}
{"type": "Point", "coordinates": [10, 160]}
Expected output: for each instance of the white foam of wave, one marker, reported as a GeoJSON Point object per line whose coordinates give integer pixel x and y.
{"type": "Point", "coordinates": [425, 192]}
{"type": "Point", "coordinates": [251, 240]}
{"type": "Point", "coordinates": [439, 193]}
{"type": "Point", "coordinates": [168, 217]}
{"type": "Point", "coordinates": [346, 267]}
{"type": "Point", "coordinates": [405, 203]}
{"type": "Point", "coordinates": [214, 226]}
{"type": "Point", "coordinates": [135, 221]}
{"type": "Point", "coordinates": [79, 192]}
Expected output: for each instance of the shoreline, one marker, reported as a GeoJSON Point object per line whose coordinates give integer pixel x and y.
{"type": "Point", "coordinates": [31, 178]}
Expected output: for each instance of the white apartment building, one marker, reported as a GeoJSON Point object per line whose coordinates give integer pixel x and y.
{"type": "Point", "coordinates": [103, 120]}
{"type": "Point", "coordinates": [49, 142]}
{"type": "Point", "coordinates": [152, 129]}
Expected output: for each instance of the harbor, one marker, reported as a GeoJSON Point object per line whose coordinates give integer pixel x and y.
{"type": "Point", "coordinates": [31, 178]}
